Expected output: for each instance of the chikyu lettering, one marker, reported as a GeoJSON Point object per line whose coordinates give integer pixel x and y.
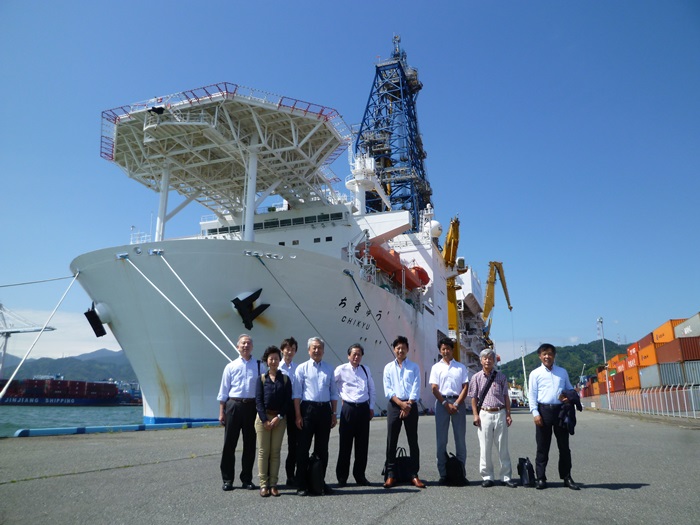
{"type": "Point", "coordinates": [357, 323]}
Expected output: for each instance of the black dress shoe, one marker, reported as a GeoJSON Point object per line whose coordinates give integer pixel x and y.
{"type": "Point", "coordinates": [342, 483]}
{"type": "Point", "coordinates": [510, 483]}
{"type": "Point", "coordinates": [442, 482]}
{"type": "Point", "coordinates": [327, 490]}
{"type": "Point", "coordinates": [302, 492]}
{"type": "Point", "coordinates": [291, 482]}
{"type": "Point", "coordinates": [248, 485]}
{"type": "Point", "coordinates": [228, 485]}
{"type": "Point", "coordinates": [487, 483]}
{"type": "Point", "coordinates": [568, 482]}
{"type": "Point", "coordinates": [363, 482]}
{"type": "Point", "coordinates": [540, 484]}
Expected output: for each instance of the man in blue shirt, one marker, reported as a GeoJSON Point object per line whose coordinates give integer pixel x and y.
{"type": "Point", "coordinates": [315, 396]}
{"type": "Point", "coordinates": [402, 388]}
{"type": "Point", "coordinates": [547, 383]}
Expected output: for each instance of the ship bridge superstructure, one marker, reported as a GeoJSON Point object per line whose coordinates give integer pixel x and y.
{"type": "Point", "coordinates": [389, 135]}
{"type": "Point", "coordinates": [227, 147]}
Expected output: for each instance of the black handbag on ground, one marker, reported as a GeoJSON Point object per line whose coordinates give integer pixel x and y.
{"type": "Point", "coordinates": [402, 466]}
{"type": "Point", "coordinates": [526, 472]}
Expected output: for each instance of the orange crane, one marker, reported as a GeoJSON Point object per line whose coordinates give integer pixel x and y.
{"type": "Point", "coordinates": [490, 299]}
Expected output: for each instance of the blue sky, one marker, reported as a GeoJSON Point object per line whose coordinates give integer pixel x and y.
{"type": "Point", "coordinates": [565, 135]}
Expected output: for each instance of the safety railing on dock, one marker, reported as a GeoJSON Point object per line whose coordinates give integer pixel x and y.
{"type": "Point", "coordinates": [673, 401]}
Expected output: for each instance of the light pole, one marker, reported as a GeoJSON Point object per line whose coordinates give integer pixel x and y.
{"type": "Point", "coordinates": [605, 358]}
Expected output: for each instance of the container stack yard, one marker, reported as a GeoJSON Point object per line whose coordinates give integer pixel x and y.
{"type": "Point", "coordinates": [659, 374]}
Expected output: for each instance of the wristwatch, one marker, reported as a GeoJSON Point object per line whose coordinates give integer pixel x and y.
{"type": "Point", "coordinates": [280, 417]}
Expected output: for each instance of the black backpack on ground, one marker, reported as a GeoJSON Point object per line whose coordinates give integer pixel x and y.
{"type": "Point", "coordinates": [314, 475]}
{"type": "Point", "coordinates": [455, 472]}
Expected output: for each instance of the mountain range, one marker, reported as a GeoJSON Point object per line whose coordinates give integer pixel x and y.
{"type": "Point", "coordinates": [100, 365]}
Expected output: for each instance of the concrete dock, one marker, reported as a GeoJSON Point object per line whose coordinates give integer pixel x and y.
{"type": "Point", "coordinates": [631, 470]}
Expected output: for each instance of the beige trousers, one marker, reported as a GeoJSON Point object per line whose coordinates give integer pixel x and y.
{"type": "Point", "coordinates": [269, 446]}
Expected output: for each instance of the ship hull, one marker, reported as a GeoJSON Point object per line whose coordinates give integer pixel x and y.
{"type": "Point", "coordinates": [178, 349]}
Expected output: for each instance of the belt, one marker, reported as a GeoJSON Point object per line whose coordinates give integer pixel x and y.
{"type": "Point", "coordinates": [355, 404]}
{"type": "Point", "coordinates": [242, 399]}
{"type": "Point", "coordinates": [449, 396]}
{"type": "Point", "coordinates": [316, 403]}
{"type": "Point", "coordinates": [547, 405]}
{"type": "Point", "coordinates": [491, 409]}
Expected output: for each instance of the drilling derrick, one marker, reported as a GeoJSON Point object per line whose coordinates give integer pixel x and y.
{"type": "Point", "coordinates": [389, 134]}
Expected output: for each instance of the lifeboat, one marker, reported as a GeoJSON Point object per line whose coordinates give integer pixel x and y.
{"type": "Point", "coordinates": [389, 262]}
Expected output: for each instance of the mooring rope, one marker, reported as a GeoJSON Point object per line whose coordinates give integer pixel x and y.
{"type": "Point", "coordinates": [37, 282]}
{"type": "Point", "coordinates": [198, 303]}
{"type": "Point", "coordinates": [2, 394]}
{"type": "Point", "coordinates": [178, 310]}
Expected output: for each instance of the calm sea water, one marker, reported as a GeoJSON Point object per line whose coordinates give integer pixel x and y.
{"type": "Point", "coordinates": [13, 418]}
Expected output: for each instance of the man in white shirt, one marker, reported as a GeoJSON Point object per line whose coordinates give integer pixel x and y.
{"type": "Point", "coordinates": [356, 389]}
{"type": "Point", "coordinates": [448, 381]}
{"type": "Point", "coordinates": [402, 389]}
{"type": "Point", "coordinates": [237, 413]}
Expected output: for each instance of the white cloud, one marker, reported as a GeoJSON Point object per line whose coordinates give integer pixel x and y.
{"type": "Point", "coordinates": [72, 336]}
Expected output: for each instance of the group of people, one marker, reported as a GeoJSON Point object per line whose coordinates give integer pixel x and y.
{"type": "Point", "coordinates": [264, 399]}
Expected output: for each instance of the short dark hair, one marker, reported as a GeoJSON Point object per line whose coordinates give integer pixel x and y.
{"type": "Point", "coordinates": [271, 350]}
{"type": "Point", "coordinates": [546, 346]}
{"type": "Point", "coordinates": [289, 343]}
{"type": "Point", "coordinates": [447, 342]}
{"type": "Point", "coordinates": [400, 339]}
{"type": "Point", "coordinates": [356, 345]}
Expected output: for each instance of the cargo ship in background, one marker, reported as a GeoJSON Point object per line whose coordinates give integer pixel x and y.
{"type": "Point", "coordinates": [659, 374]}
{"type": "Point", "coordinates": [56, 391]}
{"type": "Point", "coordinates": [288, 250]}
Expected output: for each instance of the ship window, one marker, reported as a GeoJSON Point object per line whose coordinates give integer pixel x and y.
{"type": "Point", "coordinates": [285, 222]}
{"type": "Point", "coordinates": [272, 223]}
{"type": "Point", "coordinates": [336, 216]}
{"type": "Point", "coordinates": [310, 219]}
{"type": "Point", "coordinates": [298, 220]}
{"type": "Point", "coordinates": [281, 243]}
{"type": "Point", "coordinates": [329, 239]}
{"type": "Point", "coordinates": [294, 243]}
{"type": "Point", "coordinates": [324, 217]}
{"type": "Point", "coordinates": [258, 226]}
{"type": "Point", "coordinates": [317, 239]}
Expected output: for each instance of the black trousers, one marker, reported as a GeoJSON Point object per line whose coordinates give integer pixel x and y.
{"type": "Point", "coordinates": [393, 426]}
{"type": "Point", "coordinates": [317, 428]}
{"type": "Point", "coordinates": [292, 437]}
{"type": "Point", "coordinates": [543, 435]}
{"type": "Point", "coordinates": [240, 419]}
{"type": "Point", "coordinates": [354, 427]}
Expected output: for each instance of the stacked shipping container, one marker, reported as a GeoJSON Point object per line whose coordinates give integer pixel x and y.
{"type": "Point", "coordinates": [668, 356]}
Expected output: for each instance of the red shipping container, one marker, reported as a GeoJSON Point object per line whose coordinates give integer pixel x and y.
{"type": "Point", "coordinates": [678, 350]}
{"type": "Point", "coordinates": [645, 341]}
{"type": "Point", "coordinates": [631, 362]}
{"type": "Point", "coordinates": [632, 350]}
{"type": "Point", "coordinates": [620, 367]}
{"type": "Point", "coordinates": [616, 383]}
